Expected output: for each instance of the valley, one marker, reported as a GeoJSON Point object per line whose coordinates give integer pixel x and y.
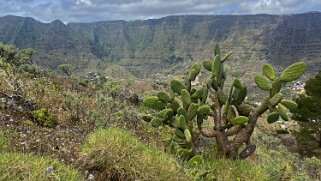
{"type": "Point", "coordinates": [156, 45]}
{"type": "Point", "coordinates": [182, 97]}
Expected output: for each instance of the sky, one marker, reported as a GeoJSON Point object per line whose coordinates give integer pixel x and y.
{"type": "Point", "coordinates": [100, 10]}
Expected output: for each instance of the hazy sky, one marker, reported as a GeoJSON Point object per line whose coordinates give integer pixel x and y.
{"type": "Point", "coordinates": [97, 10]}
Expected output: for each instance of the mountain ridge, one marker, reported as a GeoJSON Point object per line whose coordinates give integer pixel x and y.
{"type": "Point", "coordinates": [76, 22]}
{"type": "Point", "coordinates": [144, 46]}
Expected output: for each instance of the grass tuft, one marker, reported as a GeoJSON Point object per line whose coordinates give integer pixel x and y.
{"type": "Point", "coordinates": [18, 166]}
{"type": "Point", "coordinates": [121, 156]}
{"type": "Point", "coordinates": [226, 169]}
{"type": "Point", "coordinates": [3, 141]}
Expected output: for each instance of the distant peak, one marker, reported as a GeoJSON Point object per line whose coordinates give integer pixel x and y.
{"type": "Point", "coordinates": [18, 17]}
{"type": "Point", "coordinates": [57, 22]}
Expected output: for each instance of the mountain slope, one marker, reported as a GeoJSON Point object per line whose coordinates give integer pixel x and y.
{"type": "Point", "coordinates": [153, 45]}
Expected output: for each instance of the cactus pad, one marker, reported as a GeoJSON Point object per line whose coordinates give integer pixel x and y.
{"type": "Point", "coordinates": [203, 110]}
{"type": "Point", "coordinates": [162, 96]}
{"type": "Point", "coordinates": [182, 122]}
{"type": "Point", "coordinates": [186, 97]}
{"type": "Point", "coordinates": [198, 94]}
{"type": "Point", "coordinates": [207, 65]}
{"type": "Point", "coordinates": [275, 100]}
{"type": "Point", "coordinates": [166, 114]}
{"type": "Point", "coordinates": [188, 135]}
{"type": "Point", "coordinates": [262, 82]}
{"type": "Point", "coordinates": [291, 105]}
{"type": "Point", "coordinates": [217, 50]}
{"type": "Point", "coordinates": [239, 120]}
{"type": "Point", "coordinates": [154, 103]}
{"type": "Point", "coordinates": [156, 122]}
{"type": "Point", "coordinates": [174, 105]}
{"type": "Point", "coordinates": [192, 110]}
{"type": "Point", "coordinates": [273, 117]}
{"type": "Point", "coordinates": [241, 96]}
{"type": "Point", "coordinates": [175, 122]}
{"type": "Point", "coordinates": [205, 93]}
{"type": "Point", "coordinates": [269, 71]}
{"type": "Point", "coordinates": [177, 86]}
{"type": "Point", "coordinates": [293, 72]}
{"type": "Point", "coordinates": [196, 67]}
{"type": "Point", "coordinates": [214, 83]}
{"type": "Point", "coordinates": [182, 111]}
{"type": "Point", "coordinates": [237, 83]}
{"type": "Point", "coordinates": [276, 87]}
{"type": "Point", "coordinates": [282, 112]}
{"type": "Point", "coordinates": [216, 65]}
{"type": "Point", "coordinates": [192, 75]}
{"type": "Point", "coordinates": [179, 134]}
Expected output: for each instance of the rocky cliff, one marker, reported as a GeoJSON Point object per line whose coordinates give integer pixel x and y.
{"type": "Point", "coordinates": [149, 46]}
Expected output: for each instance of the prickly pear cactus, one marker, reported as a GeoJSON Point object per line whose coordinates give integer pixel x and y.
{"type": "Point", "coordinates": [186, 108]}
{"type": "Point", "coordinates": [277, 105]}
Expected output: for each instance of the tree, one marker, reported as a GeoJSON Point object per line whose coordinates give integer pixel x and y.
{"type": "Point", "coordinates": [309, 113]}
{"type": "Point", "coordinates": [187, 107]}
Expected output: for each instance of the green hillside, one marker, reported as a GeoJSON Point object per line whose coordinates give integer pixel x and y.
{"type": "Point", "coordinates": [55, 127]}
{"type": "Point", "coordinates": [156, 44]}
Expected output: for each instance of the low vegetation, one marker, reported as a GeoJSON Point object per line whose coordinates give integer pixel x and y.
{"type": "Point", "coordinates": [55, 127]}
{"type": "Point", "coordinates": [271, 161]}
{"type": "Point", "coordinates": [18, 166]}
{"type": "Point", "coordinates": [121, 156]}
{"type": "Point", "coordinates": [3, 141]}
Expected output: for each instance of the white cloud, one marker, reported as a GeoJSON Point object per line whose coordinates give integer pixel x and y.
{"type": "Point", "coordinates": [98, 10]}
{"type": "Point", "coordinates": [278, 6]}
{"type": "Point", "coordinates": [86, 2]}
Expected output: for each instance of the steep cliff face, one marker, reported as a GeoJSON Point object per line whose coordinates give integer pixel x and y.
{"type": "Point", "coordinates": [145, 47]}
{"type": "Point", "coordinates": [294, 37]}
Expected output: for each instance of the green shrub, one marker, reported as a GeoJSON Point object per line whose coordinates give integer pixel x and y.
{"type": "Point", "coordinates": [43, 118]}
{"type": "Point", "coordinates": [18, 166]}
{"type": "Point", "coordinates": [120, 155]}
{"type": "Point", "coordinates": [313, 167]}
{"type": "Point", "coordinates": [308, 114]}
{"type": "Point", "coordinates": [280, 164]}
